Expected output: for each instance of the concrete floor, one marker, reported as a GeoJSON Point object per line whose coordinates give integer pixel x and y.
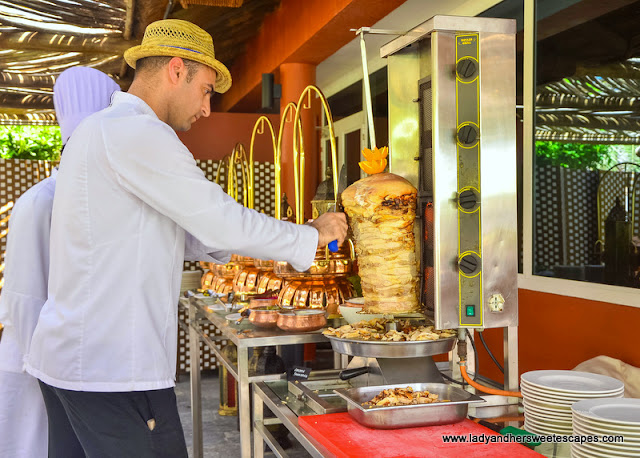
{"type": "Point", "coordinates": [221, 438]}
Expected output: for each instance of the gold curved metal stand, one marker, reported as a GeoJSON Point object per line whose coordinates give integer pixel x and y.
{"type": "Point", "coordinates": [298, 148]}
{"type": "Point", "coordinates": [258, 129]}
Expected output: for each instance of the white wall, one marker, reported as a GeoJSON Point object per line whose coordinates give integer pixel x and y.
{"type": "Point", "coordinates": [344, 67]}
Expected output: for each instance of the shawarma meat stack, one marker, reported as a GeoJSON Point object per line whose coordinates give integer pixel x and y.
{"type": "Point", "coordinates": [382, 210]}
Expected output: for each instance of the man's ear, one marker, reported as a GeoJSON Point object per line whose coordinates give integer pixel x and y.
{"type": "Point", "coordinates": [176, 69]}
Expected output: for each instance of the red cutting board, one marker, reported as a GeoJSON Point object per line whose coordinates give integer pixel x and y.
{"type": "Point", "coordinates": [345, 438]}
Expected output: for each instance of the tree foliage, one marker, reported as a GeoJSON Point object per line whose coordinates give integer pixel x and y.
{"type": "Point", "coordinates": [30, 142]}
{"type": "Point", "coordinates": [575, 155]}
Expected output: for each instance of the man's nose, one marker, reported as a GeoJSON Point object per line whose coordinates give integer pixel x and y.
{"type": "Point", "coordinates": [206, 108]}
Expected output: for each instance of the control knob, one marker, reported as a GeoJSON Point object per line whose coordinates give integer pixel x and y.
{"type": "Point", "coordinates": [467, 135]}
{"type": "Point", "coordinates": [466, 68]}
{"type": "Point", "coordinates": [469, 264]}
{"type": "Point", "coordinates": [467, 199]}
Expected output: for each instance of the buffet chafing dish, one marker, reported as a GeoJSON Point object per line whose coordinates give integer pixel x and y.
{"type": "Point", "coordinates": [324, 284]}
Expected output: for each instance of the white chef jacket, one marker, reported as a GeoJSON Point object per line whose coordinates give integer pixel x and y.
{"type": "Point", "coordinates": [26, 272]}
{"type": "Point", "coordinates": [127, 190]}
{"type": "Point", "coordinates": [23, 418]}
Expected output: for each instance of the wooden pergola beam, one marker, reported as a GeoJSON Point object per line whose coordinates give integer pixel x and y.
{"type": "Point", "coordinates": [41, 41]}
{"type": "Point", "coordinates": [25, 81]}
{"type": "Point", "coordinates": [587, 103]}
{"type": "Point", "coordinates": [19, 101]}
{"type": "Point", "coordinates": [617, 70]}
{"type": "Point", "coordinates": [578, 137]}
{"type": "Point", "coordinates": [586, 121]}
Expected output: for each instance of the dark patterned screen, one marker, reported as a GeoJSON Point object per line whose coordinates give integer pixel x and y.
{"type": "Point", "coordinates": [566, 231]}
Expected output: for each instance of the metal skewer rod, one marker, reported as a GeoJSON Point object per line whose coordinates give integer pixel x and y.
{"type": "Point", "coordinates": [365, 76]}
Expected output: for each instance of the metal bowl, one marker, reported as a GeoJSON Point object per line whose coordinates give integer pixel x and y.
{"type": "Point", "coordinates": [263, 302]}
{"type": "Point", "coordinates": [264, 317]}
{"type": "Point", "coordinates": [302, 320]}
{"type": "Point", "coordinates": [385, 349]}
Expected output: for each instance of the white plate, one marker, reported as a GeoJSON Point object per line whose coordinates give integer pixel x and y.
{"type": "Point", "coordinates": [581, 452]}
{"type": "Point", "coordinates": [542, 423]}
{"type": "Point", "coordinates": [607, 429]}
{"type": "Point", "coordinates": [626, 445]}
{"type": "Point", "coordinates": [602, 450]}
{"type": "Point", "coordinates": [542, 398]}
{"type": "Point", "coordinates": [559, 408]}
{"type": "Point", "coordinates": [551, 421]}
{"type": "Point", "coordinates": [551, 394]}
{"type": "Point", "coordinates": [233, 316]}
{"type": "Point", "coordinates": [577, 454]}
{"type": "Point", "coordinates": [530, 427]}
{"type": "Point", "coordinates": [572, 381]}
{"type": "Point", "coordinates": [623, 411]}
{"type": "Point", "coordinates": [551, 414]}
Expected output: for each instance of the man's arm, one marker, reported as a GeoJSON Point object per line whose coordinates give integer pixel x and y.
{"type": "Point", "coordinates": [163, 173]}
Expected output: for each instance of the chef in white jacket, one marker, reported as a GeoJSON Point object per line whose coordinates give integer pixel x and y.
{"type": "Point", "coordinates": [128, 194]}
{"type": "Point", "coordinates": [78, 92]}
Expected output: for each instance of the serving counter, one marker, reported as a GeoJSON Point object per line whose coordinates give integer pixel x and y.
{"type": "Point", "coordinates": [245, 338]}
{"type": "Point", "coordinates": [339, 435]}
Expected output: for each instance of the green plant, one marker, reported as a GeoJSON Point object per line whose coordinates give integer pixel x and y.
{"type": "Point", "coordinates": [30, 142]}
{"type": "Point", "coordinates": [575, 155]}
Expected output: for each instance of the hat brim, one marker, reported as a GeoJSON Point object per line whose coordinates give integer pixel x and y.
{"type": "Point", "coordinates": [223, 77]}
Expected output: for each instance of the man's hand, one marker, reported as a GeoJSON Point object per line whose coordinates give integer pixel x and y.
{"type": "Point", "coordinates": [330, 226]}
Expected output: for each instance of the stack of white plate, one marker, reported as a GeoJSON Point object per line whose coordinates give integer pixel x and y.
{"type": "Point", "coordinates": [548, 396]}
{"type": "Point", "coordinates": [607, 417]}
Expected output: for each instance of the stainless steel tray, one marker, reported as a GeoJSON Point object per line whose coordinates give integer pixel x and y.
{"type": "Point", "coordinates": [378, 349]}
{"type": "Point", "coordinates": [320, 395]}
{"type": "Point", "coordinates": [437, 413]}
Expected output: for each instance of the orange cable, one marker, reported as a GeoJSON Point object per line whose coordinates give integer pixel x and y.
{"type": "Point", "coordinates": [486, 389]}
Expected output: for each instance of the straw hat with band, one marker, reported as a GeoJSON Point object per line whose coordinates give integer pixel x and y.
{"type": "Point", "coordinates": [176, 38]}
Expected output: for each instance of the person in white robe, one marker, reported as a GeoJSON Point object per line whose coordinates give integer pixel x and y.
{"type": "Point", "coordinates": [128, 195]}
{"type": "Point", "coordinates": [77, 93]}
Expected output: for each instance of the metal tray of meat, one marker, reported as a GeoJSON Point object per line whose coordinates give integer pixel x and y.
{"type": "Point", "coordinates": [452, 410]}
{"type": "Point", "coordinates": [385, 349]}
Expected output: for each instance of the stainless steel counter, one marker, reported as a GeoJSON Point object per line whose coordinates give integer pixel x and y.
{"type": "Point", "coordinates": [244, 336]}
{"type": "Point", "coordinates": [287, 407]}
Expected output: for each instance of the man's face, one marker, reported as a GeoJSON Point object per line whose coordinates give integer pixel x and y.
{"type": "Point", "coordinates": [192, 98]}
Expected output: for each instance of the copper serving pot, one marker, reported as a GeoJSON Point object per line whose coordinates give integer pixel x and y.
{"type": "Point", "coordinates": [230, 269]}
{"type": "Point", "coordinates": [318, 293]}
{"type": "Point", "coordinates": [269, 282]}
{"type": "Point", "coordinates": [207, 280]}
{"type": "Point", "coordinates": [246, 280]}
{"type": "Point", "coordinates": [301, 320]}
{"type": "Point", "coordinates": [262, 264]}
{"type": "Point", "coordinates": [223, 285]}
{"type": "Point", "coordinates": [264, 317]}
{"type": "Point", "coordinates": [340, 263]}
{"type": "Point", "coordinates": [262, 302]}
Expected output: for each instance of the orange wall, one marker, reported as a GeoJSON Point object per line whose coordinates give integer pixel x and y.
{"type": "Point", "coordinates": [559, 332]}
{"type": "Point", "coordinates": [298, 31]}
{"type": "Point", "coordinates": [215, 136]}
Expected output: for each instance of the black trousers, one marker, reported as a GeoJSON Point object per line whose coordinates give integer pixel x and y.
{"type": "Point", "coordinates": [138, 424]}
